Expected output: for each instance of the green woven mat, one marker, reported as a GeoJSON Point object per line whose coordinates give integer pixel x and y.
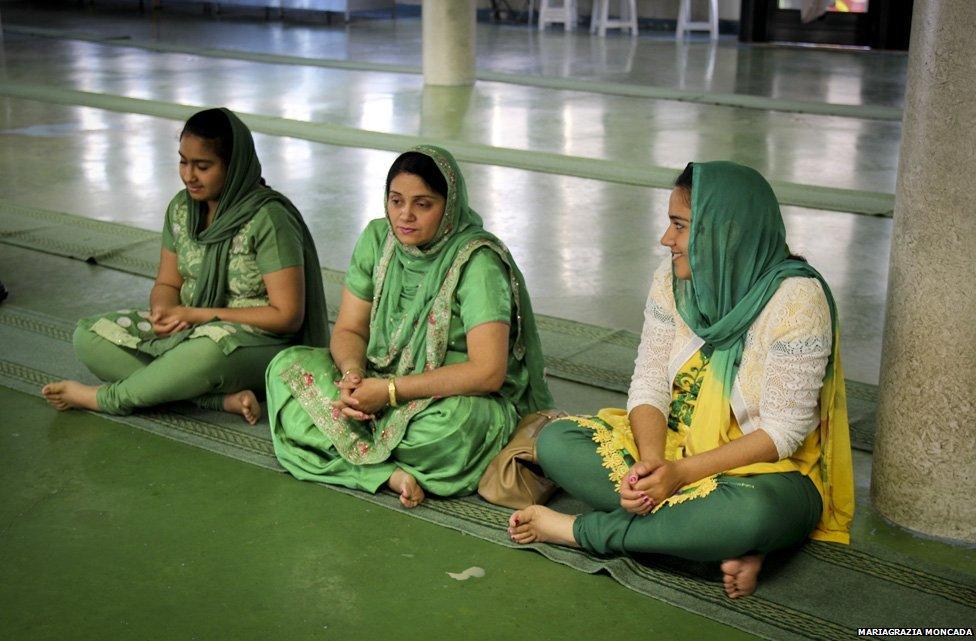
{"type": "Point", "coordinates": [628, 173]}
{"type": "Point", "coordinates": [803, 595]}
{"type": "Point", "coordinates": [571, 348]}
{"type": "Point", "coordinates": [873, 112]}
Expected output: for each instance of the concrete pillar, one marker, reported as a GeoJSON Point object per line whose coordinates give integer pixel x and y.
{"type": "Point", "coordinates": [924, 475]}
{"type": "Point", "coordinates": [448, 41]}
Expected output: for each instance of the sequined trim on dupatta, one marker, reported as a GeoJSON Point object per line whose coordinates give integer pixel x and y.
{"type": "Point", "coordinates": [357, 442]}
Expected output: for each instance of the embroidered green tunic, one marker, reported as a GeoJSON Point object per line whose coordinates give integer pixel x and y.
{"type": "Point", "coordinates": [269, 242]}
{"type": "Point", "coordinates": [448, 443]}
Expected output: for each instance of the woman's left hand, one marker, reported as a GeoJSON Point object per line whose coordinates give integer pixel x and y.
{"type": "Point", "coordinates": [371, 396]}
{"type": "Point", "coordinates": [662, 482]}
{"type": "Point", "coordinates": [185, 315]}
{"type": "Point", "coordinates": [175, 319]}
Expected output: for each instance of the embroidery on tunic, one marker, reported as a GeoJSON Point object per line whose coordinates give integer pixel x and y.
{"type": "Point", "coordinates": [214, 332]}
{"type": "Point", "coordinates": [687, 385]}
{"type": "Point", "coordinates": [616, 458]}
{"type": "Point", "coordinates": [114, 333]}
{"type": "Point", "coordinates": [357, 442]}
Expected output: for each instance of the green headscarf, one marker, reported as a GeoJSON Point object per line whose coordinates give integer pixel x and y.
{"type": "Point", "coordinates": [738, 255]}
{"type": "Point", "coordinates": [243, 195]}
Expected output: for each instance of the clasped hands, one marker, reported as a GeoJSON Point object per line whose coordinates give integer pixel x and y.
{"type": "Point", "coordinates": [169, 320]}
{"type": "Point", "coordinates": [361, 398]}
{"type": "Point", "coordinates": [647, 483]}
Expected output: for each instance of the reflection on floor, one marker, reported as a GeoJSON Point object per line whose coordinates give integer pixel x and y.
{"type": "Point", "coordinates": [587, 247]}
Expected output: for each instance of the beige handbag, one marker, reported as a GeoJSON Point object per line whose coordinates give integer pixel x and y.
{"type": "Point", "coordinates": [514, 478]}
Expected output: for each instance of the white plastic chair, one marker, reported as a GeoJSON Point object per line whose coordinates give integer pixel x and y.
{"type": "Point", "coordinates": [627, 17]}
{"type": "Point", "coordinates": [685, 23]}
{"type": "Point", "coordinates": [550, 13]}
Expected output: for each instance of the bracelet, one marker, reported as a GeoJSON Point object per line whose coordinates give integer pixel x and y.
{"type": "Point", "coordinates": [391, 387]}
{"type": "Point", "coordinates": [359, 369]}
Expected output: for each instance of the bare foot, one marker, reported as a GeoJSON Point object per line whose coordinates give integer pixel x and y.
{"type": "Point", "coordinates": [411, 494]}
{"type": "Point", "coordinates": [244, 403]}
{"type": "Point", "coordinates": [538, 523]}
{"type": "Point", "coordinates": [66, 395]}
{"type": "Point", "coordinates": [741, 575]}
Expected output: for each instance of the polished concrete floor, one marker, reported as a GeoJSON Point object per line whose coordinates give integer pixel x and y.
{"type": "Point", "coordinates": [587, 247]}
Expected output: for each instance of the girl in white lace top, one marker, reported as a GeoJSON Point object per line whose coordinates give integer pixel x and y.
{"type": "Point", "coordinates": [735, 440]}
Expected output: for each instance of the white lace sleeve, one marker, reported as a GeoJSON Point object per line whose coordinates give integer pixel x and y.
{"type": "Point", "coordinates": [649, 384]}
{"type": "Point", "coordinates": [795, 364]}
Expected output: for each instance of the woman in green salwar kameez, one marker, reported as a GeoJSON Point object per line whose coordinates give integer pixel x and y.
{"type": "Point", "coordinates": [238, 281]}
{"type": "Point", "coordinates": [434, 355]}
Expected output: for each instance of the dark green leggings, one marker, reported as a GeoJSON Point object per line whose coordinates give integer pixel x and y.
{"type": "Point", "coordinates": [743, 515]}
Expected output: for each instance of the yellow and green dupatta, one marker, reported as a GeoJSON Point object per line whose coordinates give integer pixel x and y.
{"type": "Point", "coordinates": [739, 257]}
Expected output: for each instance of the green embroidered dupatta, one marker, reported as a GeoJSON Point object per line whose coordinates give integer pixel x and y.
{"type": "Point", "coordinates": [242, 197]}
{"type": "Point", "coordinates": [417, 340]}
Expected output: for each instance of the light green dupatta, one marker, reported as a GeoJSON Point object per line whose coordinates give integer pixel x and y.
{"type": "Point", "coordinates": [242, 197]}
{"type": "Point", "coordinates": [417, 339]}
{"type": "Point", "coordinates": [739, 257]}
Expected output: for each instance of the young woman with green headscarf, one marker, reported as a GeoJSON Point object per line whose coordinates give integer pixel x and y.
{"type": "Point", "coordinates": [238, 281]}
{"type": "Point", "coordinates": [434, 355]}
{"type": "Point", "coordinates": [735, 439]}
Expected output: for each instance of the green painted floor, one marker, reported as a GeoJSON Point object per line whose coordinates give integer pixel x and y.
{"type": "Point", "coordinates": [111, 533]}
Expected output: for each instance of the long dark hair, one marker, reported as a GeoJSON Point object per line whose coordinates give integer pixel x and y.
{"type": "Point", "coordinates": [413, 162]}
{"type": "Point", "coordinates": [684, 180]}
{"type": "Point", "coordinates": [212, 126]}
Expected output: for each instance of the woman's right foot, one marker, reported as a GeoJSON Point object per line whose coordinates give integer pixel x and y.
{"type": "Point", "coordinates": [540, 524]}
{"type": "Point", "coordinates": [411, 494]}
{"type": "Point", "coordinates": [244, 403]}
{"type": "Point", "coordinates": [68, 395]}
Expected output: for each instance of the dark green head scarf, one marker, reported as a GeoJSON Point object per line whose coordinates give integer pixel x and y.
{"type": "Point", "coordinates": [738, 256]}
{"type": "Point", "coordinates": [243, 195]}
{"type": "Point", "coordinates": [422, 311]}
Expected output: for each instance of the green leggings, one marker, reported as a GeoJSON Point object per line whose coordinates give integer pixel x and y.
{"type": "Point", "coordinates": [196, 370]}
{"type": "Point", "coordinates": [743, 515]}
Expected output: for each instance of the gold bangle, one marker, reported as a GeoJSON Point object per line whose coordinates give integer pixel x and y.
{"type": "Point", "coordinates": [357, 368]}
{"type": "Point", "coordinates": [391, 387]}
